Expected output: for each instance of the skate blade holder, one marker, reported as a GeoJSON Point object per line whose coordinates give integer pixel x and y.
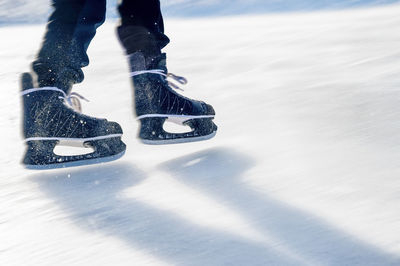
{"type": "Point", "coordinates": [50, 153]}
{"type": "Point", "coordinates": [72, 147]}
{"type": "Point", "coordinates": [173, 129]}
{"type": "Point", "coordinates": [176, 124]}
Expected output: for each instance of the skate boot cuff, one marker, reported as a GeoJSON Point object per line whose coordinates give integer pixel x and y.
{"type": "Point", "coordinates": [51, 76]}
{"type": "Point", "coordinates": [138, 39]}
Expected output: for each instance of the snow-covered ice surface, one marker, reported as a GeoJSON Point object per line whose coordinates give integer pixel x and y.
{"type": "Point", "coordinates": [303, 171]}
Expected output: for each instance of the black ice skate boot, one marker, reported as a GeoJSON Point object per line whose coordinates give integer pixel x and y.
{"type": "Point", "coordinates": [48, 122]}
{"type": "Point", "coordinates": [157, 101]}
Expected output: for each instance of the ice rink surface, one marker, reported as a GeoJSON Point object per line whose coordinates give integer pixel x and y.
{"type": "Point", "coordinates": [304, 170]}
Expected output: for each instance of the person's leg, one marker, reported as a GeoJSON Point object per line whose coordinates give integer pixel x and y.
{"type": "Point", "coordinates": [71, 27]}
{"type": "Point", "coordinates": [142, 35]}
{"type": "Point", "coordinates": [142, 27]}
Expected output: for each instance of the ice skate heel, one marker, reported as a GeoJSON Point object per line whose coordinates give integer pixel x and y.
{"type": "Point", "coordinates": [40, 151]}
{"type": "Point", "coordinates": [152, 130]}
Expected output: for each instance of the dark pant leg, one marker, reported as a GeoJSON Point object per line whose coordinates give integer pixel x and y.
{"type": "Point", "coordinates": [142, 26]}
{"type": "Point", "coordinates": [71, 27]}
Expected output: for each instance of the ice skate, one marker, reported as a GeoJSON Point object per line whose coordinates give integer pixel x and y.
{"type": "Point", "coordinates": [157, 102]}
{"type": "Point", "coordinates": [49, 121]}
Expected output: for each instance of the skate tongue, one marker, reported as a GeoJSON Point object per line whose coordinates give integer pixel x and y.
{"type": "Point", "coordinates": [137, 61]}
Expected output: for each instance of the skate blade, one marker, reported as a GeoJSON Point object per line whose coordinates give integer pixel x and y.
{"type": "Point", "coordinates": [178, 140]}
{"type": "Point", "coordinates": [74, 163]}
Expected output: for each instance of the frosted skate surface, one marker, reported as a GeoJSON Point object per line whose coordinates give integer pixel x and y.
{"type": "Point", "coordinates": [304, 170]}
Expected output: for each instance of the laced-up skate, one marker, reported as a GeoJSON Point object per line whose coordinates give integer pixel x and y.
{"type": "Point", "coordinates": [157, 101]}
{"type": "Point", "coordinates": [48, 122]}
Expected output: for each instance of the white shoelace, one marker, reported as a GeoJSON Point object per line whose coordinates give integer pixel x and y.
{"type": "Point", "coordinates": [161, 72]}
{"type": "Point", "coordinates": [72, 99]}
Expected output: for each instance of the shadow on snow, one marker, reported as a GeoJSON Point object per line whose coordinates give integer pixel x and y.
{"type": "Point", "coordinates": [91, 198]}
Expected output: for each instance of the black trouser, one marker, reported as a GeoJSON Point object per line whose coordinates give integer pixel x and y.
{"type": "Point", "coordinates": [72, 26]}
